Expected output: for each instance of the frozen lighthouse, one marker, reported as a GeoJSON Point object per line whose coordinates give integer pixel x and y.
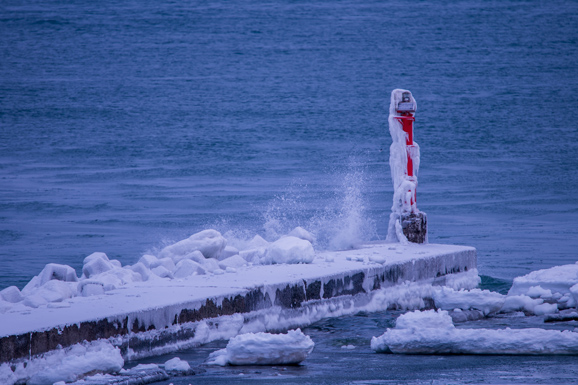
{"type": "Point", "coordinates": [406, 222]}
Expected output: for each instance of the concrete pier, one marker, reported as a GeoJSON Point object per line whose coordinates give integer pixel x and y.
{"type": "Point", "coordinates": [145, 316]}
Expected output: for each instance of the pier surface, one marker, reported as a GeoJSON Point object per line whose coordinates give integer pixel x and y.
{"type": "Point", "coordinates": [166, 305]}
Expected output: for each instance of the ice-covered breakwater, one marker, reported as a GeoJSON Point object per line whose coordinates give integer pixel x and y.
{"type": "Point", "coordinates": [154, 306]}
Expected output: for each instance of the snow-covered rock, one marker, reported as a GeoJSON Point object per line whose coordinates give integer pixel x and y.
{"type": "Point", "coordinates": [264, 349]}
{"type": "Point", "coordinates": [431, 332]}
{"type": "Point", "coordinates": [209, 242]}
{"type": "Point", "coordinates": [289, 250]}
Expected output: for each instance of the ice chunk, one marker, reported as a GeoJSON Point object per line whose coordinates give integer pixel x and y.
{"type": "Point", "coordinates": [88, 288]}
{"type": "Point", "coordinates": [488, 302]}
{"type": "Point", "coordinates": [228, 252]}
{"type": "Point", "coordinates": [538, 292]}
{"type": "Point", "coordinates": [432, 332]}
{"type": "Point", "coordinates": [5, 306]}
{"type": "Point", "coordinates": [34, 300]}
{"type": "Point", "coordinates": [177, 364]}
{"type": "Point", "coordinates": [256, 242]}
{"type": "Point", "coordinates": [545, 308]}
{"type": "Point", "coordinates": [264, 349]}
{"type": "Point", "coordinates": [187, 267]}
{"type": "Point", "coordinates": [209, 242]}
{"type": "Point", "coordinates": [51, 271]}
{"type": "Point", "coordinates": [289, 250]}
{"type": "Point", "coordinates": [253, 256]}
{"type": "Point", "coordinates": [520, 303]}
{"type": "Point", "coordinates": [54, 271]}
{"type": "Point", "coordinates": [57, 291]}
{"type": "Point", "coordinates": [162, 272]}
{"type": "Point", "coordinates": [142, 269]}
{"type": "Point", "coordinates": [167, 263]}
{"type": "Point", "coordinates": [210, 265]}
{"type": "Point", "coordinates": [557, 279]}
{"type": "Point", "coordinates": [235, 261]}
{"type": "Point", "coordinates": [95, 264]}
{"type": "Point", "coordinates": [11, 294]}
{"type": "Point", "coordinates": [93, 256]}
{"type": "Point", "coordinates": [148, 260]}
{"type": "Point", "coordinates": [430, 319]}
{"type": "Point", "coordinates": [377, 258]}
{"type": "Point", "coordinates": [300, 232]}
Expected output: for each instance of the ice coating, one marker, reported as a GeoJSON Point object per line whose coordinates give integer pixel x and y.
{"type": "Point", "coordinates": [433, 332]}
{"type": "Point", "coordinates": [264, 349]}
{"type": "Point", "coordinates": [66, 365]}
{"type": "Point", "coordinates": [403, 185]}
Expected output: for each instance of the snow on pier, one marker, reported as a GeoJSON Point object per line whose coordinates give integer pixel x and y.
{"type": "Point", "coordinates": [158, 315]}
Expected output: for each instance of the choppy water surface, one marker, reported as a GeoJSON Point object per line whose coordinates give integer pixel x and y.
{"type": "Point", "coordinates": [125, 126]}
{"type": "Point", "coordinates": [331, 363]}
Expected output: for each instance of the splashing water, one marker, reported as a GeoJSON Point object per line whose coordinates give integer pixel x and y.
{"type": "Point", "coordinates": [340, 224]}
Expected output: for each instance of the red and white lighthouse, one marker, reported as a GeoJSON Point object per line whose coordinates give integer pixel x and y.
{"type": "Point", "coordinates": [407, 223]}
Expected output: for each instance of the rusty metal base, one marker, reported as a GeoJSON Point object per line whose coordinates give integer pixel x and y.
{"type": "Point", "coordinates": [414, 227]}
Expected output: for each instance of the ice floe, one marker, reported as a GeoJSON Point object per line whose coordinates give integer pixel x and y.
{"type": "Point", "coordinates": [264, 349]}
{"type": "Point", "coordinates": [433, 332]}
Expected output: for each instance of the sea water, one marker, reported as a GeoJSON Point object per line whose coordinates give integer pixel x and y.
{"type": "Point", "coordinates": [128, 126]}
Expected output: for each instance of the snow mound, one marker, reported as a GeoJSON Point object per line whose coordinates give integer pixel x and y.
{"type": "Point", "coordinates": [433, 332]}
{"type": "Point", "coordinates": [264, 349]}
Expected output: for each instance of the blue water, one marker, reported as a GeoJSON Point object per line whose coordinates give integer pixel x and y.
{"type": "Point", "coordinates": [127, 126]}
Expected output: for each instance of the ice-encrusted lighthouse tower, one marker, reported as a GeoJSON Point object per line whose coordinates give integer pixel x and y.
{"type": "Point", "coordinates": [406, 222]}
